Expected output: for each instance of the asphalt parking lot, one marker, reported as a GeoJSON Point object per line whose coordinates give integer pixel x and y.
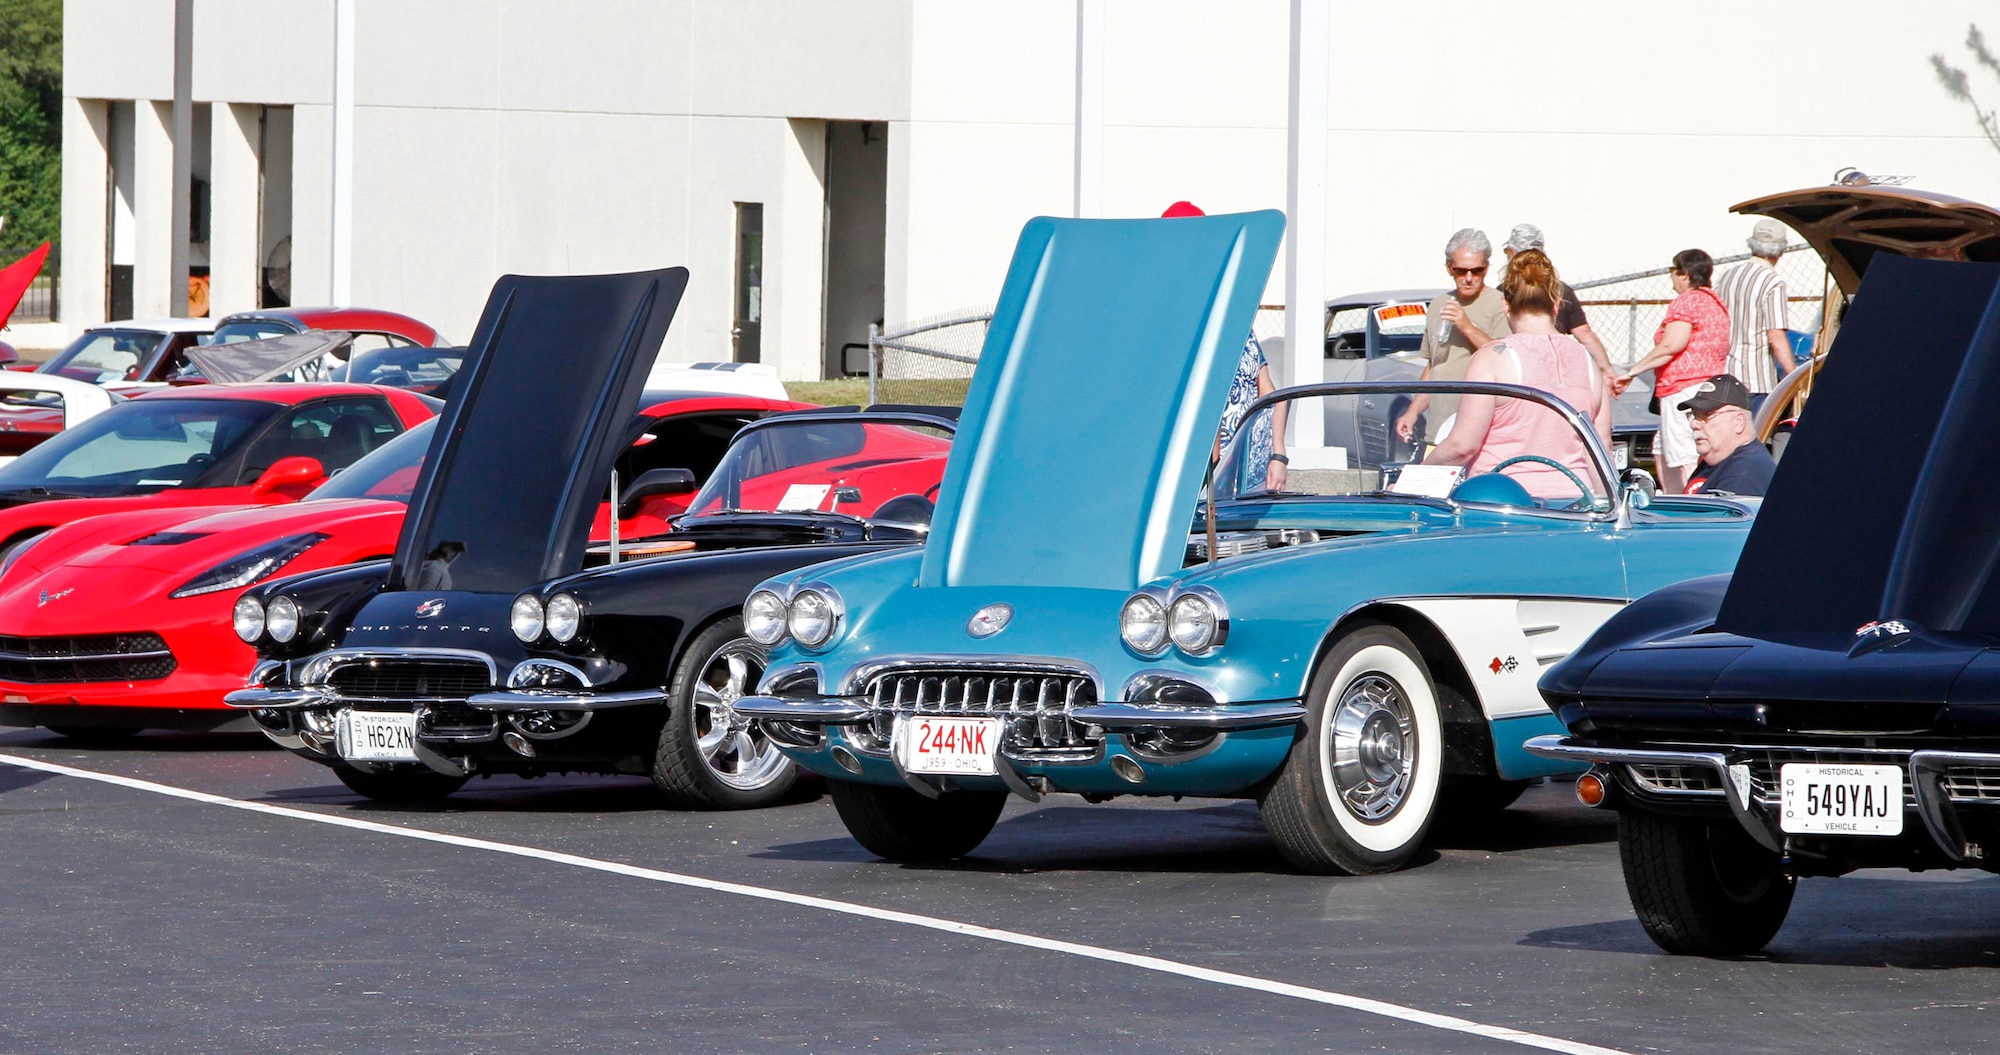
{"type": "Point", "coordinates": [204, 893]}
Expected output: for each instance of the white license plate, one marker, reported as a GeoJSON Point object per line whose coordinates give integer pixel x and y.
{"type": "Point", "coordinates": [1840, 799]}
{"type": "Point", "coordinates": [960, 746]}
{"type": "Point", "coordinates": [1621, 453]}
{"type": "Point", "coordinates": [377, 736]}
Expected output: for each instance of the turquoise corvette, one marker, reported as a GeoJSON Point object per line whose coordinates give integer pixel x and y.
{"type": "Point", "coordinates": [1358, 650]}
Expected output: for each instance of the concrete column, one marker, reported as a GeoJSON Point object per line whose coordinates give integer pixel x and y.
{"type": "Point", "coordinates": [153, 210]}
{"type": "Point", "coordinates": [86, 191]}
{"type": "Point", "coordinates": [233, 256]}
{"type": "Point", "coordinates": [795, 256]}
{"type": "Point", "coordinates": [1305, 231]}
{"type": "Point", "coordinates": [341, 255]}
{"type": "Point", "coordinates": [1089, 149]}
{"type": "Point", "coordinates": [312, 205]}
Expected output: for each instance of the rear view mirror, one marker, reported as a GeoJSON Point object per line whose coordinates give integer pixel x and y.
{"type": "Point", "coordinates": [1639, 488]}
{"type": "Point", "coordinates": [289, 476]}
{"type": "Point", "coordinates": [651, 484]}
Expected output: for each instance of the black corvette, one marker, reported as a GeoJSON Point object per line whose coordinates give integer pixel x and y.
{"type": "Point", "coordinates": [1835, 703]}
{"type": "Point", "coordinates": [484, 646]}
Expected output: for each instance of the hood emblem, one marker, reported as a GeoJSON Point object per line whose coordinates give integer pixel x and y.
{"type": "Point", "coordinates": [429, 608]}
{"type": "Point", "coordinates": [58, 595]}
{"type": "Point", "coordinates": [989, 620]}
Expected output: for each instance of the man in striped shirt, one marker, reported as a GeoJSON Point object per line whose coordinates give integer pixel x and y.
{"type": "Point", "coordinates": [1760, 352]}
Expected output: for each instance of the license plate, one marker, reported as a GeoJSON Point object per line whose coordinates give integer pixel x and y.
{"type": "Point", "coordinates": [1622, 454]}
{"type": "Point", "coordinates": [1840, 799]}
{"type": "Point", "coordinates": [377, 736]}
{"type": "Point", "coordinates": [961, 746]}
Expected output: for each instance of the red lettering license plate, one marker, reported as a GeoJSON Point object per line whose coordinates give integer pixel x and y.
{"type": "Point", "coordinates": [953, 746]}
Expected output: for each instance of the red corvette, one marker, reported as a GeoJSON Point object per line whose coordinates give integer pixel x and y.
{"type": "Point", "coordinates": [122, 622]}
{"type": "Point", "coordinates": [203, 446]}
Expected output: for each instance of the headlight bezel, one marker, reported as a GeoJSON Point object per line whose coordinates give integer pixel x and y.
{"type": "Point", "coordinates": [782, 618]}
{"type": "Point", "coordinates": [567, 625]}
{"type": "Point", "coordinates": [1155, 609]}
{"type": "Point", "coordinates": [836, 614]}
{"type": "Point", "coordinates": [241, 612]}
{"type": "Point", "coordinates": [282, 611]}
{"type": "Point", "coordinates": [1202, 599]}
{"type": "Point", "coordinates": [1164, 609]}
{"type": "Point", "coordinates": [517, 616]}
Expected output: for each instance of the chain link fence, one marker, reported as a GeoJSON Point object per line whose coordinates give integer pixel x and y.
{"type": "Point", "coordinates": [928, 361]}
{"type": "Point", "coordinates": [1625, 310]}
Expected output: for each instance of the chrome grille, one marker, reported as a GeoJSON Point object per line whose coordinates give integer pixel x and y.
{"type": "Point", "coordinates": [1972, 784]}
{"type": "Point", "coordinates": [91, 657]}
{"type": "Point", "coordinates": [410, 679]}
{"type": "Point", "coordinates": [1035, 704]}
{"type": "Point", "coordinates": [1675, 780]}
{"type": "Point", "coordinates": [1765, 762]}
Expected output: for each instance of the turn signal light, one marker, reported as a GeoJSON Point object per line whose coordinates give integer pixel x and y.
{"type": "Point", "coordinates": [1590, 790]}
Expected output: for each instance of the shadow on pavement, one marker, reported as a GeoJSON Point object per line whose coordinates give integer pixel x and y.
{"type": "Point", "coordinates": [153, 740]}
{"type": "Point", "coordinates": [510, 794]}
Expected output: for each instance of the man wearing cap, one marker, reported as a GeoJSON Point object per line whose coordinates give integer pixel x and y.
{"type": "Point", "coordinates": [1760, 352]}
{"type": "Point", "coordinates": [1570, 318]}
{"type": "Point", "coordinates": [1732, 461]}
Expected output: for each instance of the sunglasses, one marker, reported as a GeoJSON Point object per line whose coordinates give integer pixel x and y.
{"type": "Point", "coordinates": [1461, 272]}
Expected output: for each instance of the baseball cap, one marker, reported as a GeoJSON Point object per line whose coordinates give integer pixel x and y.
{"type": "Point", "coordinates": [1523, 237]}
{"type": "Point", "coordinates": [1722, 390]}
{"type": "Point", "coordinates": [1770, 232]}
{"type": "Point", "coordinates": [1182, 208]}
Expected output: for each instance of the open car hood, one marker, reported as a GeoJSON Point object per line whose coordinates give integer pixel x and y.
{"type": "Point", "coordinates": [541, 408]}
{"type": "Point", "coordinates": [1090, 417]}
{"type": "Point", "coordinates": [1884, 507]}
{"type": "Point", "coordinates": [262, 360]}
{"type": "Point", "coordinates": [1849, 225]}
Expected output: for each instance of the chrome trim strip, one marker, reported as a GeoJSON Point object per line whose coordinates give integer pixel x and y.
{"type": "Point", "coordinates": [278, 699]}
{"type": "Point", "coordinates": [520, 670]}
{"type": "Point", "coordinates": [557, 700]}
{"type": "Point", "coordinates": [1119, 716]}
{"type": "Point", "coordinates": [825, 710]}
{"type": "Point", "coordinates": [86, 657]}
{"type": "Point", "coordinates": [1759, 827]}
{"type": "Point", "coordinates": [316, 669]}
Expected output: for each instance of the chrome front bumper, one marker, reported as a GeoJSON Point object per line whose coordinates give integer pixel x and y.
{"type": "Point", "coordinates": [1926, 769]}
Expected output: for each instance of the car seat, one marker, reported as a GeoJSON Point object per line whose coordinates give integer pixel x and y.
{"type": "Point", "coordinates": [347, 439]}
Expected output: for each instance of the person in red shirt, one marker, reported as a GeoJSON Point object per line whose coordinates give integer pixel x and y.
{"type": "Point", "coordinates": [1691, 346]}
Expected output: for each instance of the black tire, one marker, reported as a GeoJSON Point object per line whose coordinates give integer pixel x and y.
{"type": "Point", "coordinates": [1700, 887]}
{"type": "Point", "coordinates": [1373, 706]}
{"type": "Point", "coordinates": [93, 734]}
{"type": "Point", "coordinates": [1477, 798]}
{"type": "Point", "coordinates": [739, 768]}
{"type": "Point", "coordinates": [899, 824]}
{"type": "Point", "coordinates": [400, 783]}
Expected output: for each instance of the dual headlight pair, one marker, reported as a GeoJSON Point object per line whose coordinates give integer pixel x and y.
{"type": "Point", "coordinates": [1193, 620]}
{"type": "Point", "coordinates": [561, 618]}
{"type": "Point", "coordinates": [253, 619]}
{"type": "Point", "coordinates": [810, 617]}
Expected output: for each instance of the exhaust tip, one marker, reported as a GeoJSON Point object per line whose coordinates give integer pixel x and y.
{"type": "Point", "coordinates": [1127, 769]}
{"type": "Point", "coordinates": [518, 743]}
{"type": "Point", "coordinates": [845, 759]}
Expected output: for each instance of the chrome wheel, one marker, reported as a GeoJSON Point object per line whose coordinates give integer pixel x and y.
{"type": "Point", "coordinates": [1373, 747]}
{"type": "Point", "coordinates": [733, 747]}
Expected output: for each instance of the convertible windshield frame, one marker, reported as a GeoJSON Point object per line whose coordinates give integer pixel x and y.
{"type": "Point", "coordinates": [1600, 456]}
{"type": "Point", "coordinates": [718, 484]}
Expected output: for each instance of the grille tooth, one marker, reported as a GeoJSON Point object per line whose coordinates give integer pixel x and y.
{"type": "Point", "coordinates": [1035, 705]}
{"type": "Point", "coordinates": [91, 657]}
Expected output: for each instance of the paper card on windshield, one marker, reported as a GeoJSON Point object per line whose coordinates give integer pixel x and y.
{"type": "Point", "coordinates": [1436, 481]}
{"type": "Point", "coordinates": [803, 496]}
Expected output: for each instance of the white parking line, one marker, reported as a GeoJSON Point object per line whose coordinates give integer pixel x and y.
{"type": "Point", "coordinates": [1008, 937]}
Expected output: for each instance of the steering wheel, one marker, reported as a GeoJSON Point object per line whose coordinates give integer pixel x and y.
{"type": "Point", "coordinates": [1584, 500]}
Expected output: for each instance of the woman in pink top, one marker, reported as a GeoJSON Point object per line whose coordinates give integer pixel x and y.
{"type": "Point", "coordinates": [1489, 431]}
{"type": "Point", "coordinates": [1690, 347]}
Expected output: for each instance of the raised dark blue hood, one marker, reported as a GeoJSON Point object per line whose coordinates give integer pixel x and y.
{"type": "Point", "coordinates": [542, 407]}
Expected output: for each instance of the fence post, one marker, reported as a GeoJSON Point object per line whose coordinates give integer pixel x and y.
{"type": "Point", "coordinates": [874, 360]}
{"type": "Point", "coordinates": [1631, 332]}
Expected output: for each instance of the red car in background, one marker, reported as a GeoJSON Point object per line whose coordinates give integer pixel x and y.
{"type": "Point", "coordinates": [122, 622]}
{"type": "Point", "coordinates": [372, 328]}
{"type": "Point", "coordinates": [200, 446]}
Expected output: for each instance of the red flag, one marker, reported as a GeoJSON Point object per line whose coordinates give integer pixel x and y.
{"type": "Point", "coordinates": [16, 277]}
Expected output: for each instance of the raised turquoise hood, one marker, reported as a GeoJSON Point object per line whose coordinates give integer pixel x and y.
{"type": "Point", "coordinates": [1086, 432]}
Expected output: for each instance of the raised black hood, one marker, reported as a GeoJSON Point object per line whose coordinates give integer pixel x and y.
{"type": "Point", "coordinates": [518, 463]}
{"type": "Point", "coordinates": [1885, 505]}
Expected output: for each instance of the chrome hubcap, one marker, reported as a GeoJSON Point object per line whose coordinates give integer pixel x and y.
{"type": "Point", "coordinates": [1374, 747]}
{"type": "Point", "coordinates": [733, 747]}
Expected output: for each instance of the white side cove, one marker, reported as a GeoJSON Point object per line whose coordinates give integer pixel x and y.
{"type": "Point", "coordinates": [1505, 643]}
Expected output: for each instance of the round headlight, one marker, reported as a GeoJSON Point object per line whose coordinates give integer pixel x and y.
{"type": "Point", "coordinates": [812, 618]}
{"type": "Point", "coordinates": [764, 617]}
{"type": "Point", "coordinates": [526, 617]}
{"type": "Point", "coordinates": [281, 619]}
{"type": "Point", "coordinates": [1143, 624]}
{"type": "Point", "coordinates": [1192, 624]}
{"type": "Point", "coordinates": [565, 617]}
{"type": "Point", "coordinates": [248, 618]}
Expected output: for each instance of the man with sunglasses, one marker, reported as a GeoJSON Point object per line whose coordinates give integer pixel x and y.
{"type": "Point", "coordinates": [1476, 313]}
{"type": "Point", "coordinates": [1732, 461]}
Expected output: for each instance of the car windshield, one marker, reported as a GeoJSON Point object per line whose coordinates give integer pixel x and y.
{"type": "Point", "coordinates": [102, 356]}
{"type": "Point", "coordinates": [850, 467]}
{"type": "Point", "coordinates": [248, 330]}
{"type": "Point", "coordinates": [1409, 438]}
{"type": "Point", "coordinates": [415, 368]}
{"type": "Point", "coordinates": [388, 472]}
{"type": "Point", "coordinates": [138, 447]}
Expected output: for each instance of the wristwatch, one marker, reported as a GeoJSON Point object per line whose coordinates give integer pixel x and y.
{"type": "Point", "coordinates": [1280, 459]}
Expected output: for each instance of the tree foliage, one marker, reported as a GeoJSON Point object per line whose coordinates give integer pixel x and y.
{"type": "Point", "coordinates": [30, 120]}
{"type": "Point", "coordinates": [1959, 86]}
